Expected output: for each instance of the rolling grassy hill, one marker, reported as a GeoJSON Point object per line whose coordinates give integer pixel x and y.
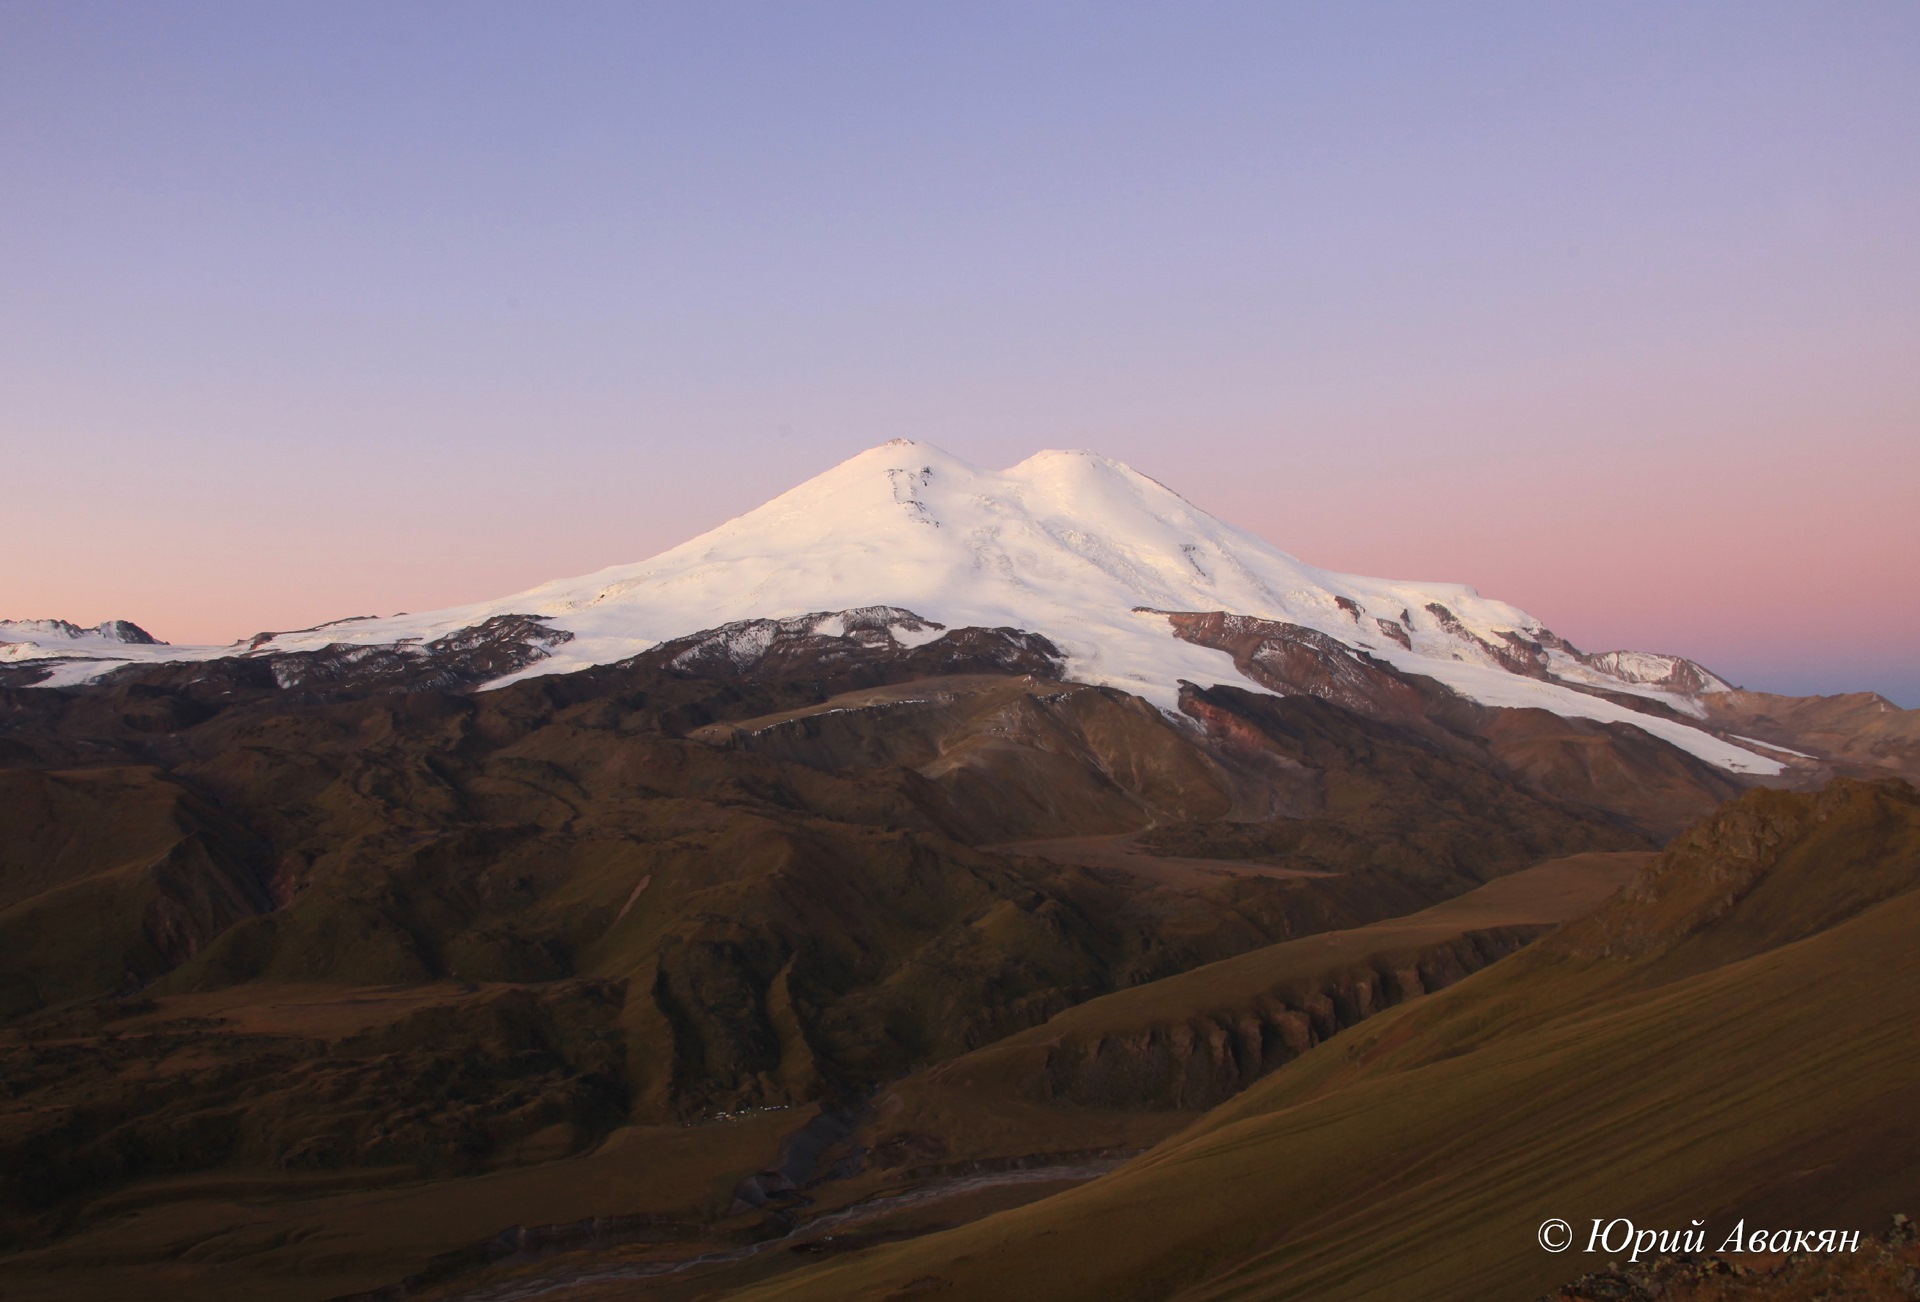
{"type": "Point", "coordinates": [1730, 1037]}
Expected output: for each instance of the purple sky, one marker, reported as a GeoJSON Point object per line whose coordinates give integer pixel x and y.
{"type": "Point", "coordinates": [1612, 311]}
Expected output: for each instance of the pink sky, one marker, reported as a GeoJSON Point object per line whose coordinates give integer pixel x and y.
{"type": "Point", "coordinates": [1612, 313]}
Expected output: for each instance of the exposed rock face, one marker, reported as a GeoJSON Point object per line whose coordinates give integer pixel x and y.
{"type": "Point", "coordinates": [121, 630]}
{"type": "Point", "coordinates": [1521, 654]}
{"type": "Point", "coordinates": [1195, 1063]}
{"type": "Point", "coordinates": [1674, 673]}
{"type": "Point", "coordinates": [1291, 660]}
{"type": "Point", "coordinates": [1606, 765]}
{"type": "Point", "coordinates": [1612, 765]}
{"type": "Point", "coordinates": [1515, 652]}
{"type": "Point", "coordinates": [30, 648]}
{"type": "Point", "coordinates": [1531, 655]}
{"type": "Point", "coordinates": [466, 657]}
{"type": "Point", "coordinates": [831, 645]}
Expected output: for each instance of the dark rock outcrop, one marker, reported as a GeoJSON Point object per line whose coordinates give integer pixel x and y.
{"type": "Point", "coordinates": [467, 657]}
{"type": "Point", "coordinates": [1206, 1059]}
{"type": "Point", "coordinates": [841, 649]}
{"type": "Point", "coordinates": [1295, 661]}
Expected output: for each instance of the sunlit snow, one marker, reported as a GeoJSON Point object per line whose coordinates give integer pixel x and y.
{"type": "Point", "coordinates": [1067, 544]}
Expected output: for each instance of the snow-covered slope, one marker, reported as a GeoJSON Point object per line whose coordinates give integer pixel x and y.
{"type": "Point", "coordinates": [49, 636]}
{"type": "Point", "coordinates": [1068, 544]}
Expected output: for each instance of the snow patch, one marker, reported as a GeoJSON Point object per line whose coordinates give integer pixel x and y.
{"type": "Point", "coordinates": [1773, 745]}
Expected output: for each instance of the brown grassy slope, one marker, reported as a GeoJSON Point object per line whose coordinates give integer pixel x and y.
{"type": "Point", "coordinates": [261, 1237]}
{"type": "Point", "coordinates": [1416, 1155]}
{"type": "Point", "coordinates": [1611, 766]}
{"type": "Point", "coordinates": [1407, 799]}
{"type": "Point", "coordinates": [304, 1232]}
{"type": "Point", "coordinates": [108, 878]}
{"type": "Point", "coordinates": [1010, 754]}
{"type": "Point", "coordinates": [1855, 730]}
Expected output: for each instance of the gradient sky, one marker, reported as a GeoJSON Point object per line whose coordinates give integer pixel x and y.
{"type": "Point", "coordinates": [1612, 311]}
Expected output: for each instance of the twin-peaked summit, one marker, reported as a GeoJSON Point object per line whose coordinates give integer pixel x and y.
{"type": "Point", "coordinates": [1072, 545]}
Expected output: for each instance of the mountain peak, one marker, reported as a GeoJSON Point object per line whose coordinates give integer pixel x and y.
{"type": "Point", "coordinates": [120, 632]}
{"type": "Point", "coordinates": [1072, 545]}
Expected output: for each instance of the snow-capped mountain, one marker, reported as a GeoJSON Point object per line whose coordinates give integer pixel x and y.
{"type": "Point", "coordinates": [58, 634]}
{"type": "Point", "coordinates": [1082, 549]}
